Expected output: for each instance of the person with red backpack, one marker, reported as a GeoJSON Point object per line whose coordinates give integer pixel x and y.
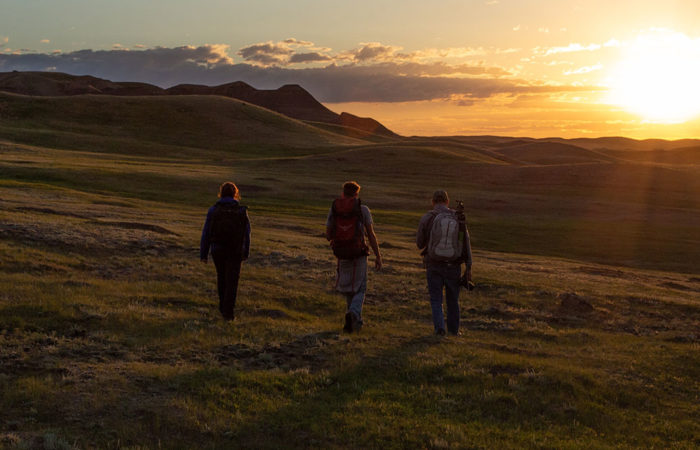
{"type": "Point", "coordinates": [346, 226]}
{"type": "Point", "coordinates": [443, 236]}
{"type": "Point", "coordinates": [227, 233]}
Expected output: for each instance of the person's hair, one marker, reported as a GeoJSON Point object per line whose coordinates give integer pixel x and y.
{"type": "Point", "coordinates": [229, 189]}
{"type": "Point", "coordinates": [440, 197]}
{"type": "Point", "coordinates": [351, 188]}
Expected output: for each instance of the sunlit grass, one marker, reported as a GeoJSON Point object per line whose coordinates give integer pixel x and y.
{"type": "Point", "coordinates": [111, 337]}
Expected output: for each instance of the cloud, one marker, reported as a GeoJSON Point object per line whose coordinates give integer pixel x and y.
{"type": "Point", "coordinates": [283, 53]}
{"type": "Point", "coordinates": [374, 51]}
{"type": "Point", "coordinates": [297, 42]}
{"type": "Point", "coordinates": [573, 47]}
{"type": "Point", "coordinates": [308, 57]}
{"type": "Point", "coordinates": [378, 81]}
{"type": "Point", "coordinates": [268, 53]}
{"type": "Point", "coordinates": [585, 69]}
{"type": "Point", "coordinates": [576, 47]}
{"type": "Point", "coordinates": [4, 40]}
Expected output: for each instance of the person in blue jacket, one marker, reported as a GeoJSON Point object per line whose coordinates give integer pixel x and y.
{"type": "Point", "coordinates": [226, 233]}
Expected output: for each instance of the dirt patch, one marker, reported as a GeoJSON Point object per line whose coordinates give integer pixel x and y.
{"type": "Point", "coordinates": [574, 303]}
{"type": "Point", "coordinates": [311, 351]}
{"type": "Point", "coordinates": [32, 209]}
{"type": "Point", "coordinates": [136, 226]}
{"type": "Point", "coordinates": [677, 286]}
{"type": "Point", "coordinates": [600, 271]}
{"type": "Point", "coordinates": [80, 238]}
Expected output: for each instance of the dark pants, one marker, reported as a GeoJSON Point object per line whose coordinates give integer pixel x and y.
{"type": "Point", "coordinates": [447, 276]}
{"type": "Point", "coordinates": [228, 270]}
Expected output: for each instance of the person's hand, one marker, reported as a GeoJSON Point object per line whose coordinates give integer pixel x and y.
{"type": "Point", "coordinates": [378, 262]}
{"type": "Point", "coordinates": [204, 260]}
{"type": "Point", "coordinates": [468, 274]}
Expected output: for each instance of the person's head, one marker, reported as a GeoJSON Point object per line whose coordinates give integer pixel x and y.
{"type": "Point", "coordinates": [229, 189]}
{"type": "Point", "coordinates": [351, 189]}
{"type": "Point", "coordinates": [440, 197]}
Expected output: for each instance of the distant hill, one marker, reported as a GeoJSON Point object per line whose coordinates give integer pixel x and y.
{"type": "Point", "coordinates": [549, 153]}
{"type": "Point", "coordinates": [200, 126]}
{"type": "Point", "coordinates": [291, 100]}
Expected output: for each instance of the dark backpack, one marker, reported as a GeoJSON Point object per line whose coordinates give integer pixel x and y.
{"type": "Point", "coordinates": [347, 237]}
{"type": "Point", "coordinates": [228, 226]}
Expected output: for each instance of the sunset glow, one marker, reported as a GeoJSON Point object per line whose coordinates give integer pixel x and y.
{"type": "Point", "coordinates": [658, 78]}
{"type": "Point", "coordinates": [538, 68]}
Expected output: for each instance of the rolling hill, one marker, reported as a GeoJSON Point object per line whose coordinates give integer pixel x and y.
{"type": "Point", "coordinates": [164, 126]}
{"type": "Point", "coordinates": [291, 100]}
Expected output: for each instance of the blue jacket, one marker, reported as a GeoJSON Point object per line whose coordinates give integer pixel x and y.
{"type": "Point", "coordinates": [205, 242]}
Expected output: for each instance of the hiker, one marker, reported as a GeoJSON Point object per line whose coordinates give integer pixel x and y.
{"type": "Point", "coordinates": [347, 224]}
{"type": "Point", "coordinates": [443, 236]}
{"type": "Point", "coordinates": [227, 232]}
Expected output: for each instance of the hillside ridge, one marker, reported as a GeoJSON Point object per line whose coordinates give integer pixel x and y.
{"type": "Point", "coordinates": [292, 100]}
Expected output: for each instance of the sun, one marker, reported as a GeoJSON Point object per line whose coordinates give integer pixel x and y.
{"type": "Point", "coordinates": [658, 77]}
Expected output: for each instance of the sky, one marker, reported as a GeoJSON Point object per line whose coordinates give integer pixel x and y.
{"type": "Point", "coordinates": [535, 68]}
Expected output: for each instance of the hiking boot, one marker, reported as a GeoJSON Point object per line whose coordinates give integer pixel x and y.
{"type": "Point", "coordinates": [440, 332]}
{"type": "Point", "coordinates": [348, 322]}
{"type": "Point", "coordinates": [455, 333]}
{"type": "Point", "coordinates": [356, 323]}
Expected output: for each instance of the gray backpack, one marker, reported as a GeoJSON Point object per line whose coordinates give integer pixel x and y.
{"type": "Point", "coordinates": [444, 244]}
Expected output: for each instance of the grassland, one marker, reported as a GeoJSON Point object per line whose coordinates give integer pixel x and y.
{"type": "Point", "coordinates": [582, 332]}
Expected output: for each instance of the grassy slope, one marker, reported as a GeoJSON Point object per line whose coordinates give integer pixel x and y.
{"type": "Point", "coordinates": [173, 126]}
{"type": "Point", "coordinates": [110, 337]}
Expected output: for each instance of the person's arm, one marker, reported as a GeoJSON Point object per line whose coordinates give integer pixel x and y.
{"type": "Point", "coordinates": [421, 234]}
{"type": "Point", "coordinates": [375, 247]}
{"type": "Point", "coordinates": [246, 238]}
{"type": "Point", "coordinates": [204, 240]}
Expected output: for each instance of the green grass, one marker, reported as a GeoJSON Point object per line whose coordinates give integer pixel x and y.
{"type": "Point", "coordinates": [111, 338]}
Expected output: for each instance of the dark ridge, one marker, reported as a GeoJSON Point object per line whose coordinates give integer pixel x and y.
{"type": "Point", "coordinates": [290, 100]}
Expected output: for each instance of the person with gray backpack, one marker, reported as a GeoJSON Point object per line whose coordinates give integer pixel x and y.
{"type": "Point", "coordinates": [444, 240]}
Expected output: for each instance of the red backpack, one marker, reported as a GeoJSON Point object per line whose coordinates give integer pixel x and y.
{"type": "Point", "coordinates": [347, 235]}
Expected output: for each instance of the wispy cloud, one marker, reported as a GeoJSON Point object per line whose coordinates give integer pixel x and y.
{"type": "Point", "coordinates": [576, 47]}
{"type": "Point", "coordinates": [585, 69]}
